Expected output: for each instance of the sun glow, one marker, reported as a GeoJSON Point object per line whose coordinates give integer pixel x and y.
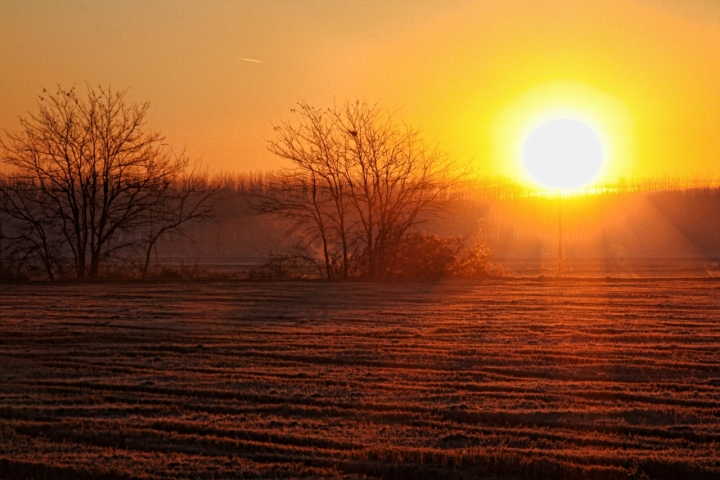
{"type": "Point", "coordinates": [564, 135]}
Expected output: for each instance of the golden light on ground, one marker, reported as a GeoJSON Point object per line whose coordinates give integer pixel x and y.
{"type": "Point", "coordinates": [564, 135]}
{"type": "Point", "coordinates": [563, 153]}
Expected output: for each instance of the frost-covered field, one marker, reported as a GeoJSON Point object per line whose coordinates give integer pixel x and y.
{"type": "Point", "coordinates": [524, 379]}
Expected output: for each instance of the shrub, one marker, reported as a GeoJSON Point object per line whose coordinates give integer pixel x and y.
{"type": "Point", "coordinates": [473, 262]}
{"type": "Point", "coordinates": [423, 256]}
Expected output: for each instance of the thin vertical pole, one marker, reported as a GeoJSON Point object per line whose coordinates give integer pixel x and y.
{"type": "Point", "coordinates": [560, 235]}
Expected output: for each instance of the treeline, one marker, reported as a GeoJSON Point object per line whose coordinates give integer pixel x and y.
{"type": "Point", "coordinates": [498, 187]}
{"type": "Point", "coordinates": [92, 192]}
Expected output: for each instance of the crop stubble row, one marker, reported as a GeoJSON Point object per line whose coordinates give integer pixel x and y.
{"type": "Point", "coordinates": [517, 379]}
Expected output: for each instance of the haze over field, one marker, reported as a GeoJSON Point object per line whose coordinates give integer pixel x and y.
{"type": "Point", "coordinates": [471, 74]}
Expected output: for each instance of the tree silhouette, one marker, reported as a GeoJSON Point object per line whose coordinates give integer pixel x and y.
{"type": "Point", "coordinates": [359, 181]}
{"type": "Point", "coordinates": [89, 180]}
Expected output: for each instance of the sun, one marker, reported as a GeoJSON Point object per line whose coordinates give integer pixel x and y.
{"type": "Point", "coordinates": [563, 153]}
{"type": "Point", "coordinates": [563, 135]}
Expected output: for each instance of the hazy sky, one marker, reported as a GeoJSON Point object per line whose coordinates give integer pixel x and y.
{"type": "Point", "coordinates": [470, 74]}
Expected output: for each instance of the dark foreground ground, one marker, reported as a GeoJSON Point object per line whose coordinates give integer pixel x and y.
{"type": "Point", "coordinates": [526, 379]}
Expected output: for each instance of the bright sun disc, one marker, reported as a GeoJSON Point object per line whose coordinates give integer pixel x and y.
{"type": "Point", "coordinates": [563, 153]}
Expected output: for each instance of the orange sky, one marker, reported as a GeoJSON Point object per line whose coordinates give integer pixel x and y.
{"type": "Point", "coordinates": [470, 74]}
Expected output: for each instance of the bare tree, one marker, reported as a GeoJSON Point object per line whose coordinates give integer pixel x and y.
{"type": "Point", "coordinates": [360, 180]}
{"type": "Point", "coordinates": [313, 195]}
{"type": "Point", "coordinates": [85, 176]}
{"type": "Point", "coordinates": [395, 180]}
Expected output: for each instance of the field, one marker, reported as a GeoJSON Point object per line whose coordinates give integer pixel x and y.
{"type": "Point", "coordinates": [518, 379]}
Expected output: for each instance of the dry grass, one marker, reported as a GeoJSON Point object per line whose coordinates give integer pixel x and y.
{"type": "Point", "coordinates": [523, 379]}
